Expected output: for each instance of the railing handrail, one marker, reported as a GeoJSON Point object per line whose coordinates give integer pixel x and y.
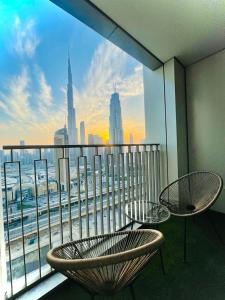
{"type": "Point", "coordinates": [20, 147]}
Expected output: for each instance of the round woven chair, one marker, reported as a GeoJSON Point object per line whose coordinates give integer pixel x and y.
{"type": "Point", "coordinates": [105, 264]}
{"type": "Point", "coordinates": [190, 195]}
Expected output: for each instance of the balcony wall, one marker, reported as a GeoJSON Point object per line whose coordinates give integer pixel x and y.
{"type": "Point", "coordinates": [206, 117]}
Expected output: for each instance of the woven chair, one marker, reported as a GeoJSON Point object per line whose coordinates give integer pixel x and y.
{"type": "Point", "coordinates": [107, 263]}
{"type": "Point", "coordinates": [190, 195]}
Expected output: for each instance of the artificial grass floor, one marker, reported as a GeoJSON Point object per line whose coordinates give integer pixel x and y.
{"type": "Point", "coordinates": [202, 278]}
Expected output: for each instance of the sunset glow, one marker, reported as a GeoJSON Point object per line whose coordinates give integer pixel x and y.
{"type": "Point", "coordinates": [33, 77]}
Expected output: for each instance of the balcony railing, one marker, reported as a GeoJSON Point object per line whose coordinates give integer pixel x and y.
{"type": "Point", "coordinates": [54, 194]}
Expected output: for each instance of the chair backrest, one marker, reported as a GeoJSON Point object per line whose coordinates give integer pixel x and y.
{"type": "Point", "coordinates": [192, 193]}
{"type": "Point", "coordinates": [102, 250]}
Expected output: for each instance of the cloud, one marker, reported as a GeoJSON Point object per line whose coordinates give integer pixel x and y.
{"type": "Point", "coordinates": [25, 38]}
{"type": "Point", "coordinates": [44, 95]}
{"type": "Point", "coordinates": [108, 66]}
{"type": "Point", "coordinates": [16, 102]}
{"type": "Point", "coordinates": [34, 125]}
{"type": "Point", "coordinates": [35, 116]}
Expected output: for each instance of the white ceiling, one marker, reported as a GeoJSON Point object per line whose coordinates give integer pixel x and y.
{"type": "Point", "coordinates": [187, 29]}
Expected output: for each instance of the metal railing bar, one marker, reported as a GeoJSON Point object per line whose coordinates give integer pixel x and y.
{"type": "Point", "coordinates": [22, 223]}
{"type": "Point", "coordinates": [128, 173]}
{"type": "Point", "coordinates": [147, 174]}
{"type": "Point", "coordinates": [123, 187]}
{"type": "Point", "coordinates": [151, 168]}
{"type": "Point", "coordinates": [108, 156]}
{"type": "Point", "coordinates": [79, 198]}
{"type": "Point", "coordinates": [94, 195]}
{"type": "Point", "coordinates": [37, 215]}
{"type": "Point", "coordinates": [60, 196]}
{"type": "Point", "coordinates": [67, 168]}
{"type": "Point", "coordinates": [7, 220]}
{"type": "Point", "coordinates": [100, 194]}
{"type": "Point", "coordinates": [158, 172]}
{"type": "Point", "coordinates": [140, 182]}
{"type": "Point", "coordinates": [132, 174]}
{"type": "Point", "coordinates": [48, 204]}
{"type": "Point", "coordinates": [154, 175]}
{"type": "Point", "coordinates": [118, 186]}
{"type": "Point", "coordinates": [113, 193]}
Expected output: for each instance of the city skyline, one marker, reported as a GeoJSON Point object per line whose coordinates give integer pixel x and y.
{"type": "Point", "coordinates": [33, 78]}
{"type": "Point", "coordinates": [115, 119]}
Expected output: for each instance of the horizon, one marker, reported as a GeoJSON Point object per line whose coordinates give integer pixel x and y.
{"type": "Point", "coordinates": [33, 80]}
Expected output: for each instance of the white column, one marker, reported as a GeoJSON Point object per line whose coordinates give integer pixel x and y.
{"type": "Point", "coordinates": [3, 273]}
{"type": "Point", "coordinates": [165, 117]}
{"type": "Point", "coordinates": [176, 119]}
{"type": "Point", "coordinates": [155, 127]}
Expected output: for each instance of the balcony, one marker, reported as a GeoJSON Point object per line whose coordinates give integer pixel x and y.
{"type": "Point", "coordinates": [50, 198]}
{"type": "Point", "coordinates": [145, 81]}
{"type": "Point", "coordinates": [55, 194]}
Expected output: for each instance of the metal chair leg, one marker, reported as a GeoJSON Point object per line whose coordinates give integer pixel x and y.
{"type": "Point", "coordinates": [185, 239]}
{"type": "Point", "coordinates": [132, 226]}
{"type": "Point", "coordinates": [132, 292]}
{"type": "Point", "coordinates": [162, 261]}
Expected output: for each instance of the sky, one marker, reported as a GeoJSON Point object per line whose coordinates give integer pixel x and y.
{"type": "Point", "coordinates": [35, 37]}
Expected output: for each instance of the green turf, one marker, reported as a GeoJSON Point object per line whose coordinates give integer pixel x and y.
{"type": "Point", "coordinates": [202, 278]}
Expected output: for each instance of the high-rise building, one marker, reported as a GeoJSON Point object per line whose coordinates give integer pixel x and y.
{"type": "Point", "coordinates": [22, 154]}
{"type": "Point", "coordinates": [22, 151]}
{"type": "Point", "coordinates": [1, 156]}
{"type": "Point", "coordinates": [91, 150]}
{"type": "Point", "coordinates": [94, 139]}
{"type": "Point", "coordinates": [90, 139]}
{"type": "Point", "coordinates": [61, 138]}
{"type": "Point", "coordinates": [82, 133]}
{"type": "Point", "coordinates": [71, 117]}
{"type": "Point", "coordinates": [115, 120]}
{"type": "Point", "coordinates": [131, 138]}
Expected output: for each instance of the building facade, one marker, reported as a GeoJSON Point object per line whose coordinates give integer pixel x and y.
{"type": "Point", "coordinates": [82, 133]}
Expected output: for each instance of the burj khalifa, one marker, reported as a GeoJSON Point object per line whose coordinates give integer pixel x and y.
{"type": "Point", "coordinates": [71, 112]}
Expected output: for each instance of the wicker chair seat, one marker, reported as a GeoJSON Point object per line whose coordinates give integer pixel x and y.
{"type": "Point", "coordinates": [106, 263]}
{"type": "Point", "coordinates": [192, 193]}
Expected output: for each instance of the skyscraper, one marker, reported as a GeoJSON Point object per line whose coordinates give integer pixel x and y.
{"type": "Point", "coordinates": [131, 138]}
{"type": "Point", "coordinates": [71, 117]}
{"type": "Point", "coordinates": [22, 153]}
{"type": "Point", "coordinates": [82, 133]}
{"type": "Point", "coordinates": [115, 120]}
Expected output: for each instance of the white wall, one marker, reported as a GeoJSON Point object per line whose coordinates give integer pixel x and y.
{"type": "Point", "coordinates": [155, 131]}
{"type": "Point", "coordinates": [205, 82]}
{"type": "Point", "coordinates": [171, 121]}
